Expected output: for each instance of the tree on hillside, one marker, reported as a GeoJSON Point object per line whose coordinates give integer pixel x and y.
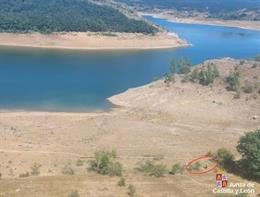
{"type": "Point", "coordinates": [184, 66]}
{"type": "Point", "coordinates": [233, 81]}
{"type": "Point", "coordinates": [249, 148]}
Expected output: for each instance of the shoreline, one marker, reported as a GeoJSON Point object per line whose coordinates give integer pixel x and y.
{"type": "Point", "coordinates": [92, 41]}
{"type": "Point", "coordinates": [152, 124]}
{"type": "Point", "coordinates": [249, 25]}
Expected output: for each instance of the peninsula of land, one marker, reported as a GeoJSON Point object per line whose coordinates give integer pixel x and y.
{"type": "Point", "coordinates": [171, 17]}
{"type": "Point", "coordinates": [93, 40]}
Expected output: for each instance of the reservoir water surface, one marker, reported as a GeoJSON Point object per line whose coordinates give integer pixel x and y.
{"type": "Point", "coordinates": [74, 80]}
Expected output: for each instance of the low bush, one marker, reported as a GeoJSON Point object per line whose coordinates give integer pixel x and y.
{"type": "Point", "coordinates": [74, 194]}
{"type": "Point", "coordinates": [208, 74]}
{"type": "Point", "coordinates": [196, 166]}
{"type": "Point", "coordinates": [121, 182]}
{"type": "Point", "coordinates": [233, 81]}
{"type": "Point", "coordinates": [184, 66]}
{"type": "Point", "coordinates": [67, 170]}
{"type": "Point", "coordinates": [241, 62]}
{"type": "Point", "coordinates": [23, 175]}
{"type": "Point", "coordinates": [79, 162]}
{"type": "Point", "coordinates": [105, 164]}
{"type": "Point", "coordinates": [131, 190]}
{"type": "Point", "coordinates": [248, 88]}
{"type": "Point", "coordinates": [152, 169]}
{"type": "Point", "coordinates": [176, 169]}
{"type": "Point", "coordinates": [35, 169]}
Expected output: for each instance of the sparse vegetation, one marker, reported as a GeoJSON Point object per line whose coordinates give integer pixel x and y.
{"type": "Point", "coordinates": [184, 66]}
{"type": "Point", "coordinates": [23, 175]}
{"type": "Point", "coordinates": [79, 162]}
{"type": "Point", "coordinates": [176, 169]}
{"type": "Point", "coordinates": [105, 164]}
{"type": "Point", "coordinates": [233, 81]}
{"type": "Point", "coordinates": [121, 182]}
{"type": "Point", "coordinates": [158, 157]}
{"type": "Point", "coordinates": [254, 65]}
{"type": "Point", "coordinates": [74, 194]}
{"type": "Point", "coordinates": [196, 166]}
{"type": "Point", "coordinates": [67, 170]}
{"type": "Point", "coordinates": [131, 190]}
{"type": "Point", "coordinates": [205, 75]}
{"type": "Point", "coordinates": [152, 169]}
{"type": "Point", "coordinates": [35, 169]}
{"type": "Point", "coordinates": [248, 87]}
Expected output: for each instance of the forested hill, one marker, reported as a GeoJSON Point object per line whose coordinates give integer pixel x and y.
{"type": "Point", "coordinates": [211, 5]}
{"type": "Point", "coordinates": [48, 16]}
{"type": "Point", "coordinates": [226, 9]}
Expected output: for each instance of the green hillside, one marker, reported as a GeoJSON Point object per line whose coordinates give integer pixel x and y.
{"type": "Point", "coordinates": [48, 16]}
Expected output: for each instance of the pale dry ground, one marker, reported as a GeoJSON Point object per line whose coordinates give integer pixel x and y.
{"type": "Point", "coordinates": [93, 41]}
{"type": "Point", "coordinates": [172, 124]}
{"type": "Point", "coordinates": [252, 25]}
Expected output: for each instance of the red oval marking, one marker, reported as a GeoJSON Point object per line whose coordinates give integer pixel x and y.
{"type": "Point", "coordinates": [204, 157]}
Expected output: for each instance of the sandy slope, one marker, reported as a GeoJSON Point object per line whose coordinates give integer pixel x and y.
{"type": "Point", "coordinates": [93, 41]}
{"type": "Point", "coordinates": [169, 124]}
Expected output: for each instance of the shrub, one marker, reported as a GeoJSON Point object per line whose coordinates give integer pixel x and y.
{"type": "Point", "coordinates": [237, 95]}
{"type": "Point", "coordinates": [249, 148]}
{"type": "Point", "coordinates": [184, 66]}
{"type": "Point", "coordinates": [254, 65]}
{"type": "Point", "coordinates": [241, 62]}
{"type": "Point", "coordinates": [173, 67]}
{"type": "Point", "coordinates": [74, 194]}
{"type": "Point", "coordinates": [67, 170]}
{"type": "Point", "coordinates": [35, 169]}
{"type": "Point", "coordinates": [233, 81]}
{"type": "Point", "coordinates": [248, 88]}
{"type": "Point", "coordinates": [79, 162]}
{"type": "Point", "coordinates": [0, 176]}
{"type": "Point", "coordinates": [152, 169]}
{"type": "Point", "coordinates": [105, 164]}
{"type": "Point", "coordinates": [196, 166]}
{"type": "Point", "coordinates": [131, 190]}
{"type": "Point", "coordinates": [208, 74]}
{"type": "Point", "coordinates": [194, 75]}
{"type": "Point", "coordinates": [121, 182]}
{"type": "Point", "coordinates": [225, 159]}
{"type": "Point", "coordinates": [168, 79]}
{"type": "Point", "coordinates": [23, 175]}
{"type": "Point", "coordinates": [186, 78]}
{"type": "Point", "coordinates": [176, 169]}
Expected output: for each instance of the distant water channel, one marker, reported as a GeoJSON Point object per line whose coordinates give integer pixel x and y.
{"type": "Point", "coordinates": [80, 81]}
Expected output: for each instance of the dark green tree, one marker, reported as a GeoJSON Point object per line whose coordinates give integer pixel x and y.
{"type": "Point", "coordinates": [249, 148]}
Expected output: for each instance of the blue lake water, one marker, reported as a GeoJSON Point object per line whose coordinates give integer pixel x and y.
{"type": "Point", "coordinates": [71, 80]}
